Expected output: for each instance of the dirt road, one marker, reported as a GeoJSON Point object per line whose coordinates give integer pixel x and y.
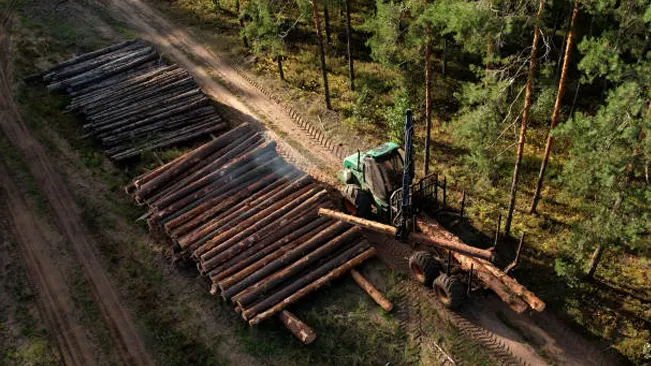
{"type": "Point", "coordinates": [240, 94]}
{"type": "Point", "coordinates": [54, 298]}
{"type": "Point", "coordinates": [68, 220]}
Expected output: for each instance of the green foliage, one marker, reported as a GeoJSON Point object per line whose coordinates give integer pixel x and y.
{"type": "Point", "coordinates": [602, 170]}
{"type": "Point", "coordinates": [385, 28]}
{"type": "Point", "coordinates": [394, 115]}
{"type": "Point", "coordinates": [264, 29]}
{"type": "Point", "coordinates": [478, 127]}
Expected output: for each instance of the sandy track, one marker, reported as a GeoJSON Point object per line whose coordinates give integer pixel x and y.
{"type": "Point", "coordinates": [240, 93]}
{"type": "Point", "coordinates": [68, 219]}
{"type": "Point", "coordinates": [54, 300]}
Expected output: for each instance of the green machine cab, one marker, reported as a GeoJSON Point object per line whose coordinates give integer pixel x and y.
{"type": "Point", "coordinates": [371, 178]}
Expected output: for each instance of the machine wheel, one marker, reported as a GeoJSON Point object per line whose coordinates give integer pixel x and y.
{"type": "Point", "coordinates": [423, 268]}
{"type": "Point", "coordinates": [357, 201]}
{"type": "Point", "coordinates": [449, 291]}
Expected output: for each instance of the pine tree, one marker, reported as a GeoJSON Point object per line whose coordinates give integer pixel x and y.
{"type": "Point", "coordinates": [264, 30]}
{"type": "Point", "coordinates": [349, 50]}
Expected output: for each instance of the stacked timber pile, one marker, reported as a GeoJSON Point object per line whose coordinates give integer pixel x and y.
{"type": "Point", "coordinates": [251, 223]}
{"type": "Point", "coordinates": [132, 102]}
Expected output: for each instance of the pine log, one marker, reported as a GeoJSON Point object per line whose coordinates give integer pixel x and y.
{"type": "Point", "coordinates": [258, 211]}
{"type": "Point", "coordinates": [272, 242]}
{"type": "Point", "coordinates": [236, 271]}
{"type": "Point", "coordinates": [211, 259]}
{"type": "Point", "coordinates": [436, 241]}
{"type": "Point", "coordinates": [502, 284]}
{"type": "Point", "coordinates": [243, 177]}
{"type": "Point", "coordinates": [204, 232]}
{"type": "Point", "coordinates": [292, 266]}
{"type": "Point", "coordinates": [244, 159]}
{"type": "Point", "coordinates": [373, 292]}
{"type": "Point", "coordinates": [299, 329]}
{"type": "Point", "coordinates": [90, 55]}
{"type": "Point", "coordinates": [340, 271]}
{"type": "Point", "coordinates": [288, 257]}
{"type": "Point", "coordinates": [208, 209]}
{"type": "Point", "coordinates": [300, 282]}
{"type": "Point", "coordinates": [242, 242]}
{"type": "Point", "coordinates": [199, 158]}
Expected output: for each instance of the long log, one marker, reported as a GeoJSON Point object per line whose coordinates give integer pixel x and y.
{"type": "Point", "coordinates": [202, 167]}
{"type": "Point", "coordinates": [259, 150]}
{"type": "Point", "coordinates": [373, 292]}
{"type": "Point", "coordinates": [417, 237]}
{"type": "Point", "coordinates": [292, 267]}
{"type": "Point", "coordinates": [206, 231]}
{"type": "Point", "coordinates": [283, 236]}
{"type": "Point", "coordinates": [270, 225]}
{"type": "Point", "coordinates": [502, 284]}
{"type": "Point", "coordinates": [81, 67]}
{"type": "Point", "coordinates": [260, 165]}
{"type": "Point", "coordinates": [211, 259]}
{"type": "Point", "coordinates": [168, 140]}
{"type": "Point", "coordinates": [212, 207]}
{"type": "Point", "coordinates": [288, 257]}
{"type": "Point", "coordinates": [91, 55]}
{"type": "Point", "coordinates": [256, 212]}
{"type": "Point", "coordinates": [340, 271]}
{"type": "Point", "coordinates": [299, 329]}
{"type": "Point", "coordinates": [105, 71]}
{"type": "Point", "coordinates": [304, 280]}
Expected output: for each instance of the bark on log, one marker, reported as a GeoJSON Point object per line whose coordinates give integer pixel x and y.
{"type": "Point", "coordinates": [204, 232]}
{"type": "Point", "coordinates": [242, 266]}
{"type": "Point", "coordinates": [90, 55]}
{"type": "Point", "coordinates": [258, 211]}
{"type": "Point", "coordinates": [437, 241]}
{"type": "Point", "coordinates": [505, 286]}
{"type": "Point", "coordinates": [295, 253]}
{"type": "Point", "coordinates": [340, 271]}
{"type": "Point", "coordinates": [299, 329]}
{"type": "Point", "coordinates": [301, 282]}
{"type": "Point", "coordinates": [271, 243]}
{"type": "Point", "coordinates": [225, 242]}
{"type": "Point", "coordinates": [374, 293]}
{"type": "Point", "coordinates": [292, 267]}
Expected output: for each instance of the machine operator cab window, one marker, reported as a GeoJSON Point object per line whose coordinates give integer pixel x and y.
{"type": "Point", "coordinates": [383, 174]}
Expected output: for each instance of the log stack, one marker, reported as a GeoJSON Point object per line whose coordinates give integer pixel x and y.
{"type": "Point", "coordinates": [250, 221]}
{"type": "Point", "coordinates": [132, 101]}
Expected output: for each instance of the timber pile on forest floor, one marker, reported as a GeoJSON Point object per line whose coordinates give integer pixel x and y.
{"type": "Point", "coordinates": [132, 101]}
{"type": "Point", "coordinates": [250, 221]}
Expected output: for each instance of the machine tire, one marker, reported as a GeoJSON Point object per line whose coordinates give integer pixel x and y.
{"type": "Point", "coordinates": [449, 291]}
{"type": "Point", "coordinates": [362, 201]}
{"type": "Point", "coordinates": [423, 268]}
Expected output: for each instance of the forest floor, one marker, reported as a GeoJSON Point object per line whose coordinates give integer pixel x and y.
{"type": "Point", "coordinates": [186, 325]}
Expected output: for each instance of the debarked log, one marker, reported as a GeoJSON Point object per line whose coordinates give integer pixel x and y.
{"type": "Point", "coordinates": [299, 329]}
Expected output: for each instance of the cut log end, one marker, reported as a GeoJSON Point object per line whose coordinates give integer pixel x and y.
{"type": "Point", "coordinates": [299, 329]}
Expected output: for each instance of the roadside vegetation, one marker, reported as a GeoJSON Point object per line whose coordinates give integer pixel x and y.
{"type": "Point", "coordinates": [583, 95]}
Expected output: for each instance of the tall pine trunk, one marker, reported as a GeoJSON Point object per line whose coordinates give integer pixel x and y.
{"type": "Point", "coordinates": [241, 20]}
{"type": "Point", "coordinates": [557, 109]}
{"type": "Point", "coordinates": [351, 72]}
{"type": "Point", "coordinates": [317, 27]}
{"type": "Point", "coordinates": [428, 94]}
{"type": "Point", "coordinates": [594, 261]}
{"type": "Point", "coordinates": [279, 60]}
{"type": "Point", "coordinates": [326, 19]}
{"type": "Point", "coordinates": [525, 118]}
{"type": "Point", "coordinates": [444, 56]}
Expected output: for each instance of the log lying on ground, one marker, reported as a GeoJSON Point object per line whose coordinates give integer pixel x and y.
{"type": "Point", "coordinates": [506, 287]}
{"type": "Point", "coordinates": [299, 329]}
{"type": "Point", "coordinates": [132, 102]}
{"type": "Point", "coordinates": [436, 241]}
{"type": "Point", "coordinates": [376, 295]}
{"type": "Point", "coordinates": [334, 274]}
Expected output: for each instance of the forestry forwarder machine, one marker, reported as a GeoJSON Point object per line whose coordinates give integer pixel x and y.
{"type": "Point", "coordinates": [379, 193]}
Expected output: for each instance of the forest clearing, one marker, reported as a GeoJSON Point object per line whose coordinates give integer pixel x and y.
{"type": "Point", "coordinates": [228, 121]}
